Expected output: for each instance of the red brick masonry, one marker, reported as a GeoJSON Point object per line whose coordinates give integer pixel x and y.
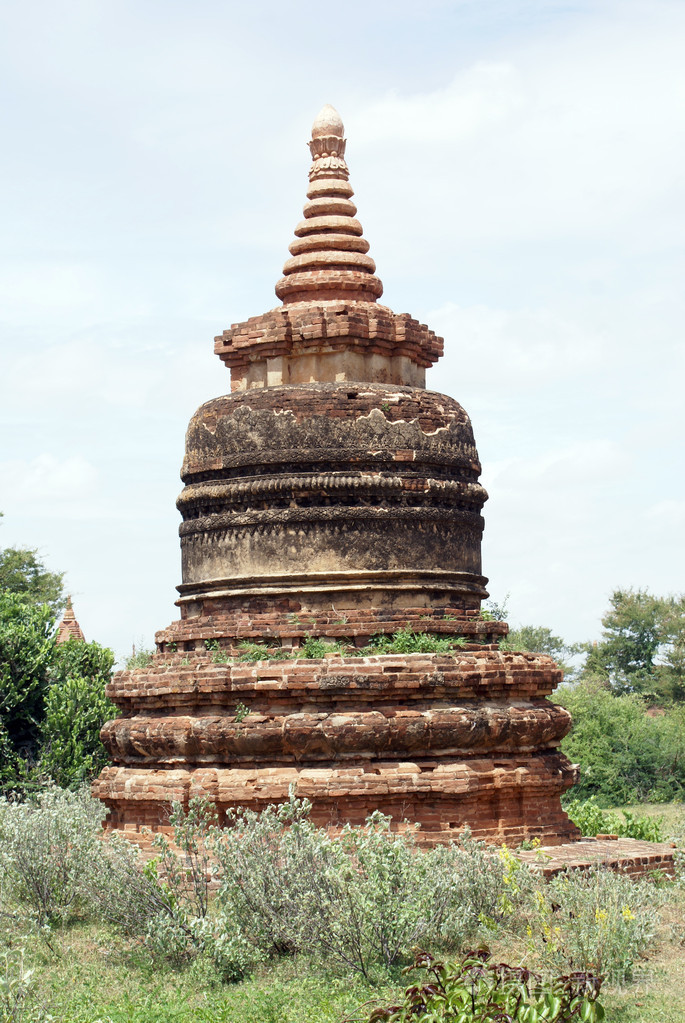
{"type": "Point", "coordinates": [624, 855]}
{"type": "Point", "coordinates": [442, 740]}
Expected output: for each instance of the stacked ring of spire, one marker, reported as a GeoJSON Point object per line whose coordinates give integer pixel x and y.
{"type": "Point", "coordinates": [329, 255]}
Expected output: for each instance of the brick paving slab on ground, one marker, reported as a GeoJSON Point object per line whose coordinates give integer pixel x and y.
{"type": "Point", "coordinates": [625, 855]}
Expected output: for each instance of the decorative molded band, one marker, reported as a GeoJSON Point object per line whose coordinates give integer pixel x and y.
{"type": "Point", "coordinates": [308, 737]}
{"type": "Point", "coordinates": [208, 498]}
{"type": "Point", "coordinates": [333, 582]}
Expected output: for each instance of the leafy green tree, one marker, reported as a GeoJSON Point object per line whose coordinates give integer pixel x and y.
{"type": "Point", "coordinates": [76, 708]}
{"type": "Point", "coordinates": [671, 670]}
{"type": "Point", "coordinates": [75, 711]}
{"type": "Point", "coordinates": [27, 648]}
{"type": "Point", "coordinates": [21, 571]}
{"type": "Point", "coordinates": [625, 754]}
{"type": "Point", "coordinates": [52, 698]}
{"type": "Point", "coordinates": [76, 657]}
{"type": "Point", "coordinates": [642, 649]}
{"type": "Point", "coordinates": [537, 639]}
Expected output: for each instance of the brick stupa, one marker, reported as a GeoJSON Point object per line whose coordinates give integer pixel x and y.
{"type": "Point", "coordinates": [330, 495]}
{"type": "Point", "coordinates": [69, 628]}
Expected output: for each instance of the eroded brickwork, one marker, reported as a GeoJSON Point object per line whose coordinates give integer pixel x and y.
{"type": "Point", "coordinates": [330, 496]}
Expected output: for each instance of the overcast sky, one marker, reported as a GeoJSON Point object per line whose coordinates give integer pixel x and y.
{"type": "Point", "coordinates": [519, 172]}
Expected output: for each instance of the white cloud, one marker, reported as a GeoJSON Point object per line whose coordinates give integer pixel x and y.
{"type": "Point", "coordinates": [530, 346]}
{"type": "Point", "coordinates": [573, 135]}
{"type": "Point", "coordinates": [45, 479]}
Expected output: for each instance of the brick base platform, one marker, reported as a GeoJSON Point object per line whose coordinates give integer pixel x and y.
{"type": "Point", "coordinates": [624, 855]}
{"type": "Point", "coordinates": [443, 740]}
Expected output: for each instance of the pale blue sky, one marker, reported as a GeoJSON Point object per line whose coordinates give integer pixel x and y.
{"type": "Point", "coordinates": [519, 172]}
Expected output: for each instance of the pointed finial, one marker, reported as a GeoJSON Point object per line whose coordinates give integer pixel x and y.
{"type": "Point", "coordinates": [329, 254]}
{"type": "Point", "coordinates": [328, 122]}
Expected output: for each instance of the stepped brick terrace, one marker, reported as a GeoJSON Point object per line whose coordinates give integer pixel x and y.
{"type": "Point", "coordinates": [330, 497]}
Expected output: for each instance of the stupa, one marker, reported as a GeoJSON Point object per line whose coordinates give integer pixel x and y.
{"type": "Point", "coordinates": [68, 627]}
{"type": "Point", "coordinates": [331, 498]}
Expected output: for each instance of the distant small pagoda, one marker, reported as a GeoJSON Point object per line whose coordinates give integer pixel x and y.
{"type": "Point", "coordinates": [331, 497]}
{"type": "Point", "coordinates": [69, 628]}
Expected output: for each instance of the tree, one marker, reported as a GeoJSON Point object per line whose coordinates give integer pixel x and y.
{"type": "Point", "coordinates": [537, 639]}
{"type": "Point", "coordinates": [76, 708]}
{"type": "Point", "coordinates": [52, 696]}
{"type": "Point", "coordinates": [27, 647]}
{"type": "Point", "coordinates": [625, 754]}
{"type": "Point", "coordinates": [642, 649]}
{"type": "Point", "coordinates": [76, 657]}
{"type": "Point", "coordinates": [75, 711]}
{"type": "Point", "coordinates": [22, 572]}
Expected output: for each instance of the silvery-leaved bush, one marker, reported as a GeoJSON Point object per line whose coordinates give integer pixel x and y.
{"type": "Point", "coordinates": [361, 899]}
{"type": "Point", "coordinates": [47, 846]}
{"type": "Point", "coordinates": [595, 919]}
{"type": "Point", "coordinates": [19, 1001]}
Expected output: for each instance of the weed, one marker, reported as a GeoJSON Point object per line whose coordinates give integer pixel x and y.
{"type": "Point", "coordinates": [314, 647]}
{"type": "Point", "coordinates": [219, 656]}
{"type": "Point", "coordinates": [474, 989]}
{"type": "Point", "coordinates": [594, 919]}
{"type": "Point", "coordinates": [406, 641]}
{"type": "Point", "coordinates": [241, 712]}
{"type": "Point", "coordinates": [261, 652]}
{"type": "Point", "coordinates": [138, 658]}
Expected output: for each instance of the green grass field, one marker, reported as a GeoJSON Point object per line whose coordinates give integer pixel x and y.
{"type": "Point", "coordinates": [93, 976]}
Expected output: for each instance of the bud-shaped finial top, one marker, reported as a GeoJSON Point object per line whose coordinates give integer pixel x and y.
{"type": "Point", "coordinates": [328, 122]}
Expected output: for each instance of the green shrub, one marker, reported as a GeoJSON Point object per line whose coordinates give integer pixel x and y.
{"type": "Point", "coordinates": [123, 889]}
{"type": "Point", "coordinates": [593, 820]}
{"type": "Point", "coordinates": [362, 899]}
{"type": "Point", "coordinates": [625, 755]}
{"type": "Point", "coordinates": [594, 920]}
{"type": "Point", "coordinates": [166, 900]}
{"type": "Point", "coordinates": [406, 641]}
{"type": "Point", "coordinates": [47, 849]}
{"type": "Point", "coordinates": [188, 876]}
{"type": "Point", "coordinates": [474, 990]}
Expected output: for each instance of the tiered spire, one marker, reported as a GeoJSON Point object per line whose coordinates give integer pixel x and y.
{"type": "Point", "coordinates": [329, 254]}
{"type": "Point", "coordinates": [69, 628]}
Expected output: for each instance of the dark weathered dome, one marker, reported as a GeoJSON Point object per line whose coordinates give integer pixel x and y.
{"type": "Point", "coordinates": [324, 484]}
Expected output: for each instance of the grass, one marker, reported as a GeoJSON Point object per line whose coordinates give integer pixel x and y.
{"type": "Point", "coordinates": [673, 815]}
{"type": "Point", "coordinates": [92, 975]}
